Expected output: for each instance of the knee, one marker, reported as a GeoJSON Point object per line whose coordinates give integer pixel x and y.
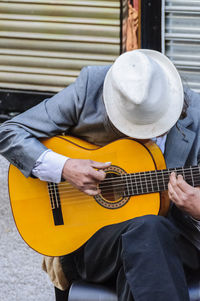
{"type": "Point", "coordinates": [154, 221]}
{"type": "Point", "coordinates": [150, 224]}
{"type": "Point", "coordinates": [148, 232]}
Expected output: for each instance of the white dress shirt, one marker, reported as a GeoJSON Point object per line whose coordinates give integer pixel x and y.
{"type": "Point", "coordinates": [49, 166]}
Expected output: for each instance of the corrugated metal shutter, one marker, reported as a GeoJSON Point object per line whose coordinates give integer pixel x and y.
{"type": "Point", "coordinates": [45, 43]}
{"type": "Point", "coordinates": [181, 38]}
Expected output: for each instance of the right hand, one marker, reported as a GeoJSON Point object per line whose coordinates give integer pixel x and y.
{"type": "Point", "coordinates": [85, 175]}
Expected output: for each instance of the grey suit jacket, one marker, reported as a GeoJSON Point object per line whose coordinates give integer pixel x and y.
{"type": "Point", "coordinates": [79, 110]}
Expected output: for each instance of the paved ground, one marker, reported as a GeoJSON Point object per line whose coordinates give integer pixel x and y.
{"type": "Point", "coordinates": [21, 277]}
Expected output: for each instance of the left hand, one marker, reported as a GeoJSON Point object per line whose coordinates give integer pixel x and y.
{"type": "Point", "coordinates": [185, 196]}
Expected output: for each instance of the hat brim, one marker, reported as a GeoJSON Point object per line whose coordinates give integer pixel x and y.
{"type": "Point", "coordinates": [175, 96]}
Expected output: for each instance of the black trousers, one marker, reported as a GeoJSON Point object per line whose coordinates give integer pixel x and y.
{"type": "Point", "coordinates": [145, 258]}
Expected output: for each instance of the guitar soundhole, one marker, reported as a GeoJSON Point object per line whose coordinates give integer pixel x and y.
{"type": "Point", "coordinates": [112, 194]}
{"type": "Point", "coordinates": [112, 188]}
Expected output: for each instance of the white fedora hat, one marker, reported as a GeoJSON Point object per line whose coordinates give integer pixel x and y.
{"type": "Point", "coordinates": [143, 94]}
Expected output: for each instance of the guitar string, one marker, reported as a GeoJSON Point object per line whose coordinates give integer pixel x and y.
{"type": "Point", "coordinates": [134, 191]}
{"type": "Point", "coordinates": [77, 200]}
{"type": "Point", "coordinates": [134, 187]}
{"type": "Point", "coordinates": [136, 175]}
{"type": "Point", "coordinates": [152, 172]}
{"type": "Point", "coordinates": [124, 181]}
{"type": "Point", "coordinates": [81, 198]}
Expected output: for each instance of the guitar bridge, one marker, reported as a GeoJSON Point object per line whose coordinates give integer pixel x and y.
{"type": "Point", "coordinates": [55, 204]}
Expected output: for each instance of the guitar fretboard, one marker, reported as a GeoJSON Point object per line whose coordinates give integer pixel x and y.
{"type": "Point", "coordinates": [157, 180]}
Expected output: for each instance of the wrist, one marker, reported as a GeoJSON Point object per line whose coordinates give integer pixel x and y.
{"type": "Point", "coordinates": [64, 168]}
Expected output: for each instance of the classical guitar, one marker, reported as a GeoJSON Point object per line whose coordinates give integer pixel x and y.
{"type": "Point", "coordinates": [56, 219]}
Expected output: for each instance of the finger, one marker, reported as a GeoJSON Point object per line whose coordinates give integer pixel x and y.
{"type": "Point", "coordinates": [172, 186]}
{"type": "Point", "coordinates": [174, 183]}
{"type": "Point", "coordinates": [92, 186]}
{"type": "Point", "coordinates": [172, 178]}
{"type": "Point", "coordinates": [92, 192]}
{"type": "Point", "coordinates": [172, 193]}
{"type": "Point", "coordinates": [176, 194]}
{"type": "Point", "coordinates": [100, 165]}
{"type": "Point", "coordinates": [183, 185]}
{"type": "Point", "coordinates": [179, 181]}
{"type": "Point", "coordinates": [175, 188]}
{"type": "Point", "coordinates": [98, 175]}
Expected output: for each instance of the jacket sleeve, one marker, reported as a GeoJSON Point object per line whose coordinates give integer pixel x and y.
{"type": "Point", "coordinates": [19, 136]}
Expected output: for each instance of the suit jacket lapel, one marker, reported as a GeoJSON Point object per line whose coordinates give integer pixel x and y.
{"type": "Point", "coordinates": [178, 144]}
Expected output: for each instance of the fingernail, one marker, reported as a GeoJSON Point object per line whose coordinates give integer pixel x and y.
{"type": "Point", "coordinates": [108, 163]}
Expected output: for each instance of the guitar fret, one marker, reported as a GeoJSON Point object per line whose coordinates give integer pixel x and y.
{"type": "Point", "coordinates": [197, 178]}
{"type": "Point", "coordinates": [137, 184]}
{"type": "Point", "coordinates": [141, 184]}
{"type": "Point", "coordinates": [163, 180]}
{"type": "Point", "coordinates": [128, 184]}
{"type": "Point", "coordinates": [151, 181]}
{"type": "Point", "coordinates": [131, 183]}
{"type": "Point", "coordinates": [183, 173]}
{"type": "Point", "coordinates": [145, 178]}
{"type": "Point", "coordinates": [167, 178]}
{"type": "Point", "coordinates": [198, 168]}
{"type": "Point", "coordinates": [137, 191]}
{"type": "Point", "coordinates": [192, 176]}
{"type": "Point", "coordinates": [148, 182]}
{"type": "Point", "coordinates": [188, 177]}
{"type": "Point", "coordinates": [157, 180]}
{"type": "Point", "coordinates": [158, 187]}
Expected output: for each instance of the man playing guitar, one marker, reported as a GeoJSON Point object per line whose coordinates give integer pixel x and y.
{"type": "Point", "coordinates": [140, 96]}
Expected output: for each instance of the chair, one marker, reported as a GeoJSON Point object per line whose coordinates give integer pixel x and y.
{"type": "Point", "coordinates": [84, 291]}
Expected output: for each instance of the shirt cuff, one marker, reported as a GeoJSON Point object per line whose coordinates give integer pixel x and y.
{"type": "Point", "coordinates": [49, 166]}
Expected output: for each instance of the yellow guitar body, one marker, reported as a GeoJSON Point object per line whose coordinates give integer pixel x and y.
{"type": "Point", "coordinates": [80, 215]}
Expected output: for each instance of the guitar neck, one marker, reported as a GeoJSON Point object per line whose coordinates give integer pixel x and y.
{"type": "Point", "coordinates": [157, 180]}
